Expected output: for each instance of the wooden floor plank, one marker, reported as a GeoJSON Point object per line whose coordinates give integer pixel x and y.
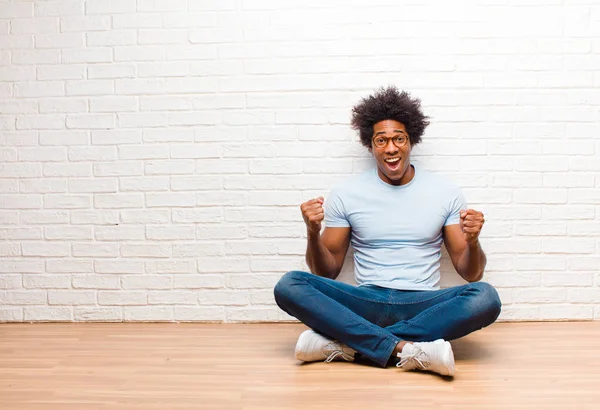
{"type": "Point", "coordinates": [251, 367]}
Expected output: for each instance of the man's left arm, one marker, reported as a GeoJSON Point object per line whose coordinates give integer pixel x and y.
{"type": "Point", "coordinates": [462, 242]}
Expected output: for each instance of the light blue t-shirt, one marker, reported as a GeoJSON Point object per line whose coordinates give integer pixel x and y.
{"type": "Point", "coordinates": [396, 231]}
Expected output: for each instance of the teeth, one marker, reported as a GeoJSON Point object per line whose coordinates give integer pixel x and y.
{"type": "Point", "coordinates": [391, 160]}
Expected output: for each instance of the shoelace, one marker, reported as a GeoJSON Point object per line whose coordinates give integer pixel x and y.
{"type": "Point", "coordinates": [336, 351]}
{"type": "Point", "coordinates": [418, 357]}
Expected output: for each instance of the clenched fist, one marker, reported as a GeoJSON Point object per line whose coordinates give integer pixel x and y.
{"type": "Point", "coordinates": [471, 222]}
{"type": "Point", "coordinates": [313, 214]}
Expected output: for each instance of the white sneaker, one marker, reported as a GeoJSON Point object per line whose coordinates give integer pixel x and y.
{"type": "Point", "coordinates": [313, 346]}
{"type": "Point", "coordinates": [434, 356]}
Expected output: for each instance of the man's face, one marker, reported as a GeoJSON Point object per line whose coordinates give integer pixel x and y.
{"type": "Point", "coordinates": [390, 146]}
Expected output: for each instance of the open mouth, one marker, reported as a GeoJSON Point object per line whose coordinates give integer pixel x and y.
{"type": "Point", "coordinates": [392, 163]}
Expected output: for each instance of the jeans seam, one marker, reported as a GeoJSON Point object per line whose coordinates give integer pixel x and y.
{"type": "Point", "coordinates": [438, 294]}
{"type": "Point", "coordinates": [349, 294]}
{"type": "Point", "coordinates": [433, 309]}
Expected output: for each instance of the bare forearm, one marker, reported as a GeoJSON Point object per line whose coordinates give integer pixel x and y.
{"type": "Point", "coordinates": [472, 262]}
{"type": "Point", "coordinates": [319, 259]}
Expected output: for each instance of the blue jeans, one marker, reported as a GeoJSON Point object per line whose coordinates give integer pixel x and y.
{"type": "Point", "coordinates": [372, 320]}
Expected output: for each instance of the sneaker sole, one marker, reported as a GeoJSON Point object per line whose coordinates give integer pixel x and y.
{"type": "Point", "coordinates": [449, 359]}
{"type": "Point", "coordinates": [301, 346]}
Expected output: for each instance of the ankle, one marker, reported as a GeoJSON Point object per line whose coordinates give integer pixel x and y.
{"type": "Point", "coordinates": [400, 346]}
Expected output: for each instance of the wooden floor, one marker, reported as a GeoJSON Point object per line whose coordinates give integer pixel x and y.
{"type": "Point", "coordinates": [199, 366]}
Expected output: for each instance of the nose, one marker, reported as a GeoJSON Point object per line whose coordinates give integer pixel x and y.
{"type": "Point", "coordinates": [390, 147]}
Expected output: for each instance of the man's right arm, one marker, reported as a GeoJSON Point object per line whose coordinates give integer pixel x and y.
{"type": "Point", "coordinates": [325, 252]}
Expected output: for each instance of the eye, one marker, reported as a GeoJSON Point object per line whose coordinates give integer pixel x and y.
{"type": "Point", "coordinates": [400, 139]}
{"type": "Point", "coordinates": [379, 141]}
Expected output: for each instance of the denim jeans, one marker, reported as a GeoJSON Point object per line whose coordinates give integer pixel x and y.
{"type": "Point", "coordinates": [372, 320]}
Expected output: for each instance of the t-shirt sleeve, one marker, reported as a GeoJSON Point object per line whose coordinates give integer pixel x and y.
{"type": "Point", "coordinates": [456, 204]}
{"type": "Point", "coordinates": [335, 212]}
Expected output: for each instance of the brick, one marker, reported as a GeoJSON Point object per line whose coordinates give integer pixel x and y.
{"type": "Point", "coordinates": [199, 313]}
{"type": "Point", "coordinates": [80, 154]}
{"type": "Point", "coordinates": [121, 266]}
{"type": "Point", "coordinates": [566, 312]}
{"type": "Point", "coordinates": [198, 215]}
{"type": "Point", "coordinates": [171, 266]}
{"type": "Point", "coordinates": [27, 57]}
{"type": "Point", "coordinates": [60, 41]}
{"type": "Point", "coordinates": [110, 6]}
{"type": "Point", "coordinates": [195, 183]}
{"type": "Point", "coordinates": [146, 282]}
{"type": "Point", "coordinates": [64, 137]}
{"type": "Point", "coordinates": [202, 281]}
{"type": "Point", "coordinates": [69, 266]}
{"type": "Point", "coordinates": [120, 233]}
{"type": "Point", "coordinates": [103, 71]}
{"type": "Point", "coordinates": [22, 297]}
{"type": "Point", "coordinates": [11, 282]}
{"type": "Point", "coordinates": [46, 281]}
{"type": "Point", "coordinates": [219, 198]}
{"type": "Point", "coordinates": [141, 53]}
{"type": "Point", "coordinates": [9, 217]}
{"type": "Point", "coordinates": [170, 233]}
{"type": "Point", "coordinates": [253, 281]}
{"type": "Point", "coordinates": [21, 233]}
{"type": "Point", "coordinates": [568, 278]}
{"type": "Point", "coordinates": [39, 89]}
{"type": "Point", "coordinates": [46, 154]}
{"type": "Point", "coordinates": [196, 151]}
{"type": "Point", "coordinates": [90, 121]}
{"type": "Point", "coordinates": [120, 168]}
{"type": "Point", "coordinates": [95, 250]}
{"type": "Point", "coordinates": [224, 297]}
{"type": "Point", "coordinates": [146, 250]}
{"type": "Point", "coordinates": [45, 249]}
{"type": "Point", "coordinates": [96, 281]}
{"type": "Point", "coordinates": [191, 250]}
{"type": "Point", "coordinates": [37, 25]}
{"type": "Point", "coordinates": [64, 233]}
{"type": "Point", "coordinates": [146, 217]}
{"type": "Point", "coordinates": [40, 122]}
{"type": "Point", "coordinates": [63, 105]}
{"type": "Point", "coordinates": [111, 38]}
{"type": "Point", "coordinates": [71, 297]}
{"type": "Point", "coordinates": [87, 55]}
{"type": "Point", "coordinates": [11, 314]}
{"type": "Point", "coordinates": [42, 186]}
{"type": "Point", "coordinates": [148, 313]}
{"type": "Point", "coordinates": [144, 184]}
{"type": "Point", "coordinates": [185, 199]}
{"type": "Point", "coordinates": [113, 104]}
{"type": "Point", "coordinates": [48, 314]}
{"type": "Point", "coordinates": [67, 201]}
{"type": "Point", "coordinates": [172, 297]}
{"type": "Point", "coordinates": [119, 201]}
{"type": "Point", "coordinates": [17, 10]}
{"type": "Point", "coordinates": [252, 314]}
{"type": "Point", "coordinates": [138, 20]}
{"type": "Point", "coordinates": [174, 135]}
{"type": "Point", "coordinates": [84, 23]}
{"type": "Point", "coordinates": [121, 298]}
{"type": "Point", "coordinates": [98, 314]}
{"type": "Point", "coordinates": [103, 217]}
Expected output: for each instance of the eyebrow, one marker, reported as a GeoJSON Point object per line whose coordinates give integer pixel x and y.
{"type": "Point", "coordinates": [395, 131]}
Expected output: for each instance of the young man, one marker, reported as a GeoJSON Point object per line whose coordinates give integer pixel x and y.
{"type": "Point", "coordinates": [396, 216]}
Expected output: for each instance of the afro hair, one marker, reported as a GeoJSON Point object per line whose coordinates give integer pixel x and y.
{"type": "Point", "coordinates": [389, 104]}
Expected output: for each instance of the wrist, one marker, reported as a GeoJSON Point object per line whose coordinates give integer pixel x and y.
{"type": "Point", "coordinates": [313, 233]}
{"type": "Point", "coordinates": [473, 244]}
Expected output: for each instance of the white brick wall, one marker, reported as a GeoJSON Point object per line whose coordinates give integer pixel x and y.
{"type": "Point", "coordinates": [153, 154]}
